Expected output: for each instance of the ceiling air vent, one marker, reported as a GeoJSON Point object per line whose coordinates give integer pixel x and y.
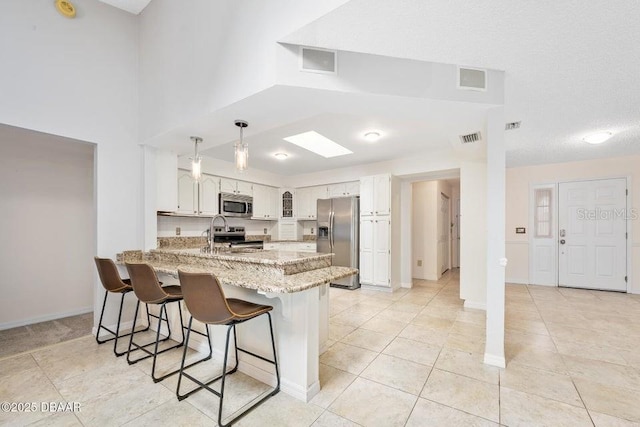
{"type": "Point", "coordinates": [472, 79]}
{"type": "Point", "coordinates": [318, 60]}
{"type": "Point", "coordinates": [472, 137]}
{"type": "Point", "coordinates": [512, 125]}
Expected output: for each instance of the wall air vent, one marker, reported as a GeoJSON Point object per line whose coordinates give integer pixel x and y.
{"type": "Point", "coordinates": [472, 79]}
{"type": "Point", "coordinates": [512, 125]}
{"type": "Point", "coordinates": [472, 137]}
{"type": "Point", "coordinates": [313, 60]}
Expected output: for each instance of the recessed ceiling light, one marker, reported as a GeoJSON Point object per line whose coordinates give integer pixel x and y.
{"type": "Point", "coordinates": [281, 156]}
{"type": "Point", "coordinates": [372, 136]}
{"type": "Point", "coordinates": [597, 138]}
{"type": "Point", "coordinates": [318, 144]}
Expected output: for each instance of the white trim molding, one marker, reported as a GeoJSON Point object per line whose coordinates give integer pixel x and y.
{"type": "Point", "coordinates": [499, 361]}
{"type": "Point", "coordinates": [475, 305]}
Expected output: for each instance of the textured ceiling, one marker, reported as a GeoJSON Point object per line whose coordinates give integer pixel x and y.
{"type": "Point", "coordinates": [572, 68]}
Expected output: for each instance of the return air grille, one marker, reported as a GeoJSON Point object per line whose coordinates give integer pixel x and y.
{"type": "Point", "coordinates": [472, 137]}
{"type": "Point", "coordinates": [472, 79]}
{"type": "Point", "coordinates": [318, 60]}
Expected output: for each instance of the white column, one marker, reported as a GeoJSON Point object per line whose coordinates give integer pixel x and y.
{"type": "Point", "coordinates": [496, 261]}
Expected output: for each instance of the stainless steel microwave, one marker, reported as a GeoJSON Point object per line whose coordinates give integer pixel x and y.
{"type": "Point", "coordinates": [236, 205]}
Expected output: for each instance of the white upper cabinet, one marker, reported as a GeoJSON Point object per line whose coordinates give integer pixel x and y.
{"type": "Point", "coordinates": [367, 195]}
{"type": "Point", "coordinates": [265, 202]}
{"type": "Point", "coordinates": [187, 193]}
{"type": "Point", "coordinates": [286, 203]}
{"type": "Point", "coordinates": [344, 189]}
{"type": "Point", "coordinates": [307, 201]}
{"type": "Point", "coordinates": [382, 195]}
{"type": "Point", "coordinates": [208, 195]}
{"type": "Point", "coordinates": [197, 198]}
{"type": "Point", "coordinates": [236, 187]}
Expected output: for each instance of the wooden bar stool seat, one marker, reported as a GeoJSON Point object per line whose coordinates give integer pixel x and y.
{"type": "Point", "coordinates": [207, 303]}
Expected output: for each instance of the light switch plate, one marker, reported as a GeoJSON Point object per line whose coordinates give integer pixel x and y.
{"type": "Point", "coordinates": [177, 231]}
{"type": "Point", "coordinates": [419, 263]}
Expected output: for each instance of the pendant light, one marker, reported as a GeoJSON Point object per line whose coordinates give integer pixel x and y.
{"type": "Point", "coordinates": [196, 169]}
{"type": "Point", "coordinates": [242, 148]}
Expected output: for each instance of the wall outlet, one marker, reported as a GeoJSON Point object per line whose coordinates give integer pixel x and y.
{"type": "Point", "coordinates": [312, 230]}
{"type": "Point", "coordinates": [419, 263]}
{"type": "Point", "coordinates": [177, 231]}
{"type": "Point", "coordinates": [264, 230]}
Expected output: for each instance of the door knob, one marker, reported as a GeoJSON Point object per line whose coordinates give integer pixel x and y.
{"type": "Point", "coordinates": [562, 242]}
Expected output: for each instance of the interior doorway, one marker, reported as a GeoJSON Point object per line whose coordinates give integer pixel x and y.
{"type": "Point", "coordinates": [444, 239]}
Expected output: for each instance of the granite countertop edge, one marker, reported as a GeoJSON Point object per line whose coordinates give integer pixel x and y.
{"type": "Point", "coordinates": [289, 284]}
{"type": "Point", "coordinates": [302, 256]}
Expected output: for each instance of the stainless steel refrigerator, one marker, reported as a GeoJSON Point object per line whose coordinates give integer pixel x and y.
{"type": "Point", "coordinates": [339, 233]}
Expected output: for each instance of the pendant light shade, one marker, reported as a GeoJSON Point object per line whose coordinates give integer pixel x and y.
{"type": "Point", "coordinates": [241, 148]}
{"type": "Point", "coordinates": [196, 167]}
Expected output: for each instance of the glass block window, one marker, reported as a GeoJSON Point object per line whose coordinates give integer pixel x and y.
{"type": "Point", "coordinates": [543, 219]}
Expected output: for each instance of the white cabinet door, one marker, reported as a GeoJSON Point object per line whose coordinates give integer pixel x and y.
{"type": "Point", "coordinates": [270, 246]}
{"type": "Point", "coordinates": [272, 198]}
{"type": "Point", "coordinates": [352, 188]}
{"type": "Point", "coordinates": [307, 247]}
{"type": "Point", "coordinates": [208, 195]}
{"type": "Point", "coordinates": [382, 195]}
{"type": "Point", "coordinates": [366, 251]}
{"type": "Point", "coordinates": [264, 202]}
{"type": "Point", "coordinates": [336, 190]}
{"type": "Point", "coordinates": [187, 193]}
{"type": "Point", "coordinates": [381, 251]}
{"type": "Point", "coordinates": [244, 188]}
{"type": "Point", "coordinates": [303, 203]}
{"type": "Point", "coordinates": [227, 185]}
{"type": "Point", "coordinates": [366, 195]}
{"type": "Point", "coordinates": [260, 201]}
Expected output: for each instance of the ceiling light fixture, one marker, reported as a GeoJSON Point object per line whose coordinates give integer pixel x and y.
{"type": "Point", "coordinates": [318, 144]}
{"type": "Point", "coordinates": [196, 167]}
{"type": "Point", "coordinates": [372, 136]}
{"type": "Point", "coordinates": [242, 148]}
{"type": "Point", "coordinates": [597, 138]}
{"type": "Point", "coordinates": [281, 156]}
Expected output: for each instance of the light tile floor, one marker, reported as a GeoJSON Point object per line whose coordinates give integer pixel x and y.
{"type": "Point", "coordinates": [410, 358]}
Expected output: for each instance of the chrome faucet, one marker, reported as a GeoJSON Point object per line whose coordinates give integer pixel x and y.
{"type": "Point", "coordinates": [212, 232]}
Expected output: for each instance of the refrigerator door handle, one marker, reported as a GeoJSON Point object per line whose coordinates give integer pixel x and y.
{"type": "Point", "coordinates": [331, 224]}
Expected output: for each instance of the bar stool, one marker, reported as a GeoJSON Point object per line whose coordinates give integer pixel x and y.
{"type": "Point", "coordinates": [207, 303]}
{"type": "Point", "coordinates": [149, 291]}
{"type": "Point", "coordinates": [112, 283]}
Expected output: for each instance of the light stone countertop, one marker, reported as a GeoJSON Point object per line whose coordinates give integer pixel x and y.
{"type": "Point", "coordinates": [235, 270]}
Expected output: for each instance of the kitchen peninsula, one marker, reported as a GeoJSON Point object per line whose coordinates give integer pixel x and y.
{"type": "Point", "coordinates": [296, 284]}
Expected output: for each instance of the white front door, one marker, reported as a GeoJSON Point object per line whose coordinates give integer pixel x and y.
{"type": "Point", "coordinates": [592, 234]}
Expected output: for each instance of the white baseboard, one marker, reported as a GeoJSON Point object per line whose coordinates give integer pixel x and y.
{"type": "Point", "coordinates": [406, 285]}
{"type": "Point", "coordinates": [551, 285]}
{"type": "Point", "coordinates": [476, 305]}
{"type": "Point", "coordinates": [516, 281]}
{"type": "Point", "coordinates": [376, 288]}
{"type": "Point", "coordinates": [45, 318]}
{"type": "Point", "coordinates": [493, 360]}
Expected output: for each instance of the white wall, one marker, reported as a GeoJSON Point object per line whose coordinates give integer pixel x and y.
{"type": "Point", "coordinates": [473, 234]}
{"type": "Point", "coordinates": [426, 219]}
{"type": "Point", "coordinates": [200, 58]}
{"type": "Point", "coordinates": [79, 78]}
{"type": "Point", "coordinates": [425, 230]}
{"type": "Point", "coordinates": [47, 228]}
{"type": "Point", "coordinates": [518, 185]}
